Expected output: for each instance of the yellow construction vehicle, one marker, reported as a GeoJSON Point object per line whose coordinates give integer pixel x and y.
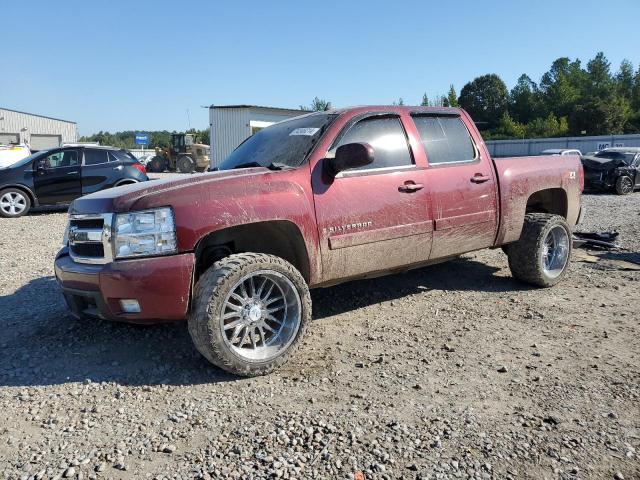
{"type": "Point", "coordinates": [184, 155]}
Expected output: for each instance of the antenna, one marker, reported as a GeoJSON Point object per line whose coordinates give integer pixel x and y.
{"type": "Point", "coordinates": [188, 119]}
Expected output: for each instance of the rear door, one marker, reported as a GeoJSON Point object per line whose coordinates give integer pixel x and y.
{"type": "Point", "coordinates": [462, 185]}
{"type": "Point", "coordinates": [375, 218]}
{"type": "Point", "coordinates": [57, 177]}
{"type": "Point", "coordinates": [100, 170]}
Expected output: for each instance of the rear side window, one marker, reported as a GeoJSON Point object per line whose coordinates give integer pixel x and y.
{"type": "Point", "coordinates": [95, 157]}
{"type": "Point", "coordinates": [386, 136]}
{"type": "Point", "coordinates": [121, 156]}
{"type": "Point", "coordinates": [445, 139]}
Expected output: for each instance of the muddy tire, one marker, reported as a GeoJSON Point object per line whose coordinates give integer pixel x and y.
{"type": "Point", "coordinates": [157, 164]}
{"type": "Point", "coordinates": [249, 313]}
{"type": "Point", "coordinates": [14, 203]}
{"type": "Point", "coordinates": [624, 185]}
{"type": "Point", "coordinates": [186, 164]}
{"type": "Point", "coordinates": [541, 256]}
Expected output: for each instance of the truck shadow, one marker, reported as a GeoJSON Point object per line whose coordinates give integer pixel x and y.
{"type": "Point", "coordinates": [42, 345]}
{"type": "Point", "coordinates": [460, 274]}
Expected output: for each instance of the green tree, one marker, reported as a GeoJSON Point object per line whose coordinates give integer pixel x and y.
{"type": "Point", "coordinates": [524, 104]}
{"type": "Point", "coordinates": [317, 105]}
{"type": "Point", "coordinates": [452, 98]}
{"type": "Point", "coordinates": [486, 99]}
{"type": "Point", "coordinates": [507, 128]}
{"type": "Point", "coordinates": [550, 126]}
{"type": "Point", "coordinates": [400, 102]}
{"type": "Point", "coordinates": [625, 80]}
{"type": "Point", "coordinates": [561, 87]}
{"type": "Point", "coordinates": [425, 100]}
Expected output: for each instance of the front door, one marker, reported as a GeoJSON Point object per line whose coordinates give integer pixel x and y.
{"type": "Point", "coordinates": [462, 186]}
{"type": "Point", "coordinates": [375, 218]}
{"type": "Point", "coordinates": [57, 177]}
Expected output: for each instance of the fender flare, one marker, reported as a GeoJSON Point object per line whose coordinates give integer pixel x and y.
{"type": "Point", "coordinates": [28, 190]}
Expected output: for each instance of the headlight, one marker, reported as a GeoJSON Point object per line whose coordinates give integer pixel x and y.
{"type": "Point", "coordinates": [151, 232]}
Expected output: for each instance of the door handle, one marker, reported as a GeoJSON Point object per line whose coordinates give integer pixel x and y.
{"type": "Point", "coordinates": [480, 178]}
{"type": "Point", "coordinates": [72, 173]}
{"type": "Point", "coordinates": [410, 186]}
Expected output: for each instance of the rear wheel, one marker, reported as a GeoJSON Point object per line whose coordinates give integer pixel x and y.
{"type": "Point", "coordinates": [186, 164]}
{"type": "Point", "coordinates": [250, 312]}
{"type": "Point", "coordinates": [157, 164]}
{"type": "Point", "coordinates": [541, 256]}
{"type": "Point", "coordinates": [14, 203]}
{"type": "Point", "coordinates": [624, 185]}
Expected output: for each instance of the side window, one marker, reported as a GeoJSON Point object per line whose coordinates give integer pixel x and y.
{"type": "Point", "coordinates": [445, 139]}
{"type": "Point", "coordinates": [386, 136]}
{"type": "Point", "coordinates": [61, 158]}
{"type": "Point", "coordinates": [95, 157]}
{"type": "Point", "coordinates": [121, 156]}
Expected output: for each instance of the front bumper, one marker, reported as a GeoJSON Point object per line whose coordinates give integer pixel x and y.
{"type": "Point", "coordinates": [161, 285]}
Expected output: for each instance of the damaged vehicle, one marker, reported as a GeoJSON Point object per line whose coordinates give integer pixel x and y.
{"type": "Point", "coordinates": [311, 202]}
{"type": "Point", "coordinates": [613, 169]}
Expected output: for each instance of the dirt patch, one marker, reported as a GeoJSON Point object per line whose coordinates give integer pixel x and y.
{"type": "Point", "coordinates": [452, 371]}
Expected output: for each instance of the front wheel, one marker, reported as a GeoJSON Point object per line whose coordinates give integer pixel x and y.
{"type": "Point", "coordinates": [541, 256]}
{"type": "Point", "coordinates": [14, 203]}
{"type": "Point", "coordinates": [624, 185]}
{"type": "Point", "coordinates": [250, 312]}
{"type": "Point", "coordinates": [157, 164]}
{"type": "Point", "coordinates": [186, 164]}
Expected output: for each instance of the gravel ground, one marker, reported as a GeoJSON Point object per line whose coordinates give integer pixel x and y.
{"type": "Point", "coordinates": [451, 371]}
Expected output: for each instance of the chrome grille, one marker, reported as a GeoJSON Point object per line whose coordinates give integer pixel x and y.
{"type": "Point", "coordinates": [90, 238]}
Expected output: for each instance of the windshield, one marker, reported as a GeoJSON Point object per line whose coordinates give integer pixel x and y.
{"type": "Point", "coordinates": [625, 157]}
{"type": "Point", "coordinates": [284, 144]}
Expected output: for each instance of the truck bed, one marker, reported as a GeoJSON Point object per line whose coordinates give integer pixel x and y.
{"type": "Point", "coordinates": [558, 175]}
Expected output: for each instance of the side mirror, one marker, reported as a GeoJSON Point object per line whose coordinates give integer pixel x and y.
{"type": "Point", "coordinates": [351, 155]}
{"type": "Point", "coordinates": [41, 165]}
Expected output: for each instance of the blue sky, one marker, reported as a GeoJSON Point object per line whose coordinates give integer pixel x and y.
{"type": "Point", "coordinates": [115, 65]}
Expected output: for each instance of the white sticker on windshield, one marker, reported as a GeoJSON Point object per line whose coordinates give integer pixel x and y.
{"type": "Point", "coordinates": [304, 131]}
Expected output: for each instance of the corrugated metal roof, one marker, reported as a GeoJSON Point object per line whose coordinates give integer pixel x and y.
{"type": "Point", "coordinates": [259, 106]}
{"type": "Point", "coordinates": [36, 115]}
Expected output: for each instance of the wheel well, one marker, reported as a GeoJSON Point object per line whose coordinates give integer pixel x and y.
{"type": "Point", "coordinates": [551, 200]}
{"type": "Point", "coordinates": [126, 181]}
{"type": "Point", "coordinates": [24, 189]}
{"type": "Point", "coordinates": [280, 238]}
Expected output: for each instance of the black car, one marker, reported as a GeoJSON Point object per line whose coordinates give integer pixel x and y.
{"type": "Point", "coordinates": [60, 175]}
{"type": "Point", "coordinates": [616, 169]}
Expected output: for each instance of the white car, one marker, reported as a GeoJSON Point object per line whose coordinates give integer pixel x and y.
{"type": "Point", "coordinates": [10, 154]}
{"type": "Point", "coordinates": [561, 151]}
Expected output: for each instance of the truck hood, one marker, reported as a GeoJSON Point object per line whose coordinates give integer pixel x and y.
{"type": "Point", "coordinates": [159, 193]}
{"type": "Point", "coordinates": [601, 164]}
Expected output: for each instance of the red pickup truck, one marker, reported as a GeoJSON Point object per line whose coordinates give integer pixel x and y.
{"type": "Point", "coordinates": [309, 202]}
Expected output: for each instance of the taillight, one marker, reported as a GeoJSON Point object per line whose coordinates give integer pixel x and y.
{"type": "Point", "coordinates": [140, 167]}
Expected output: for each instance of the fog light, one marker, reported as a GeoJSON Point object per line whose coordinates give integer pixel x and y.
{"type": "Point", "coordinates": [130, 305]}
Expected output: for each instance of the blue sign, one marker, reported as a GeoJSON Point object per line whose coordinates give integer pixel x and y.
{"type": "Point", "coordinates": [142, 139]}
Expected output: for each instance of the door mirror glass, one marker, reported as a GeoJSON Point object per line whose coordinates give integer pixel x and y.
{"type": "Point", "coordinates": [41, 164]}
{"type": "Point", "coordinates": [348, 156]}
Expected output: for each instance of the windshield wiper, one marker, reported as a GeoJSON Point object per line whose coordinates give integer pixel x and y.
{"type": "Point", "coordinates": [271, 166]}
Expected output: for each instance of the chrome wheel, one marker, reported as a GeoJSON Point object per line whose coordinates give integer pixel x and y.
{"type": "Point", "coordinates": [261, 315]}
{"type": "Point", "coordinates": [13, 203]}
{"type": "Point", "coordinates": [555, 251]}
{"type": "Point", "coordinates": [626, 185]}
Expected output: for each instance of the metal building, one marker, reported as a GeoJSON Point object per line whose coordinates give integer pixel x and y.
{"type": "Point", "coordinates": [38, 131]}
{"type": "Point", "coordinates": [230, 125]}
{"type": "Point", "coordinates": [534, 146]}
